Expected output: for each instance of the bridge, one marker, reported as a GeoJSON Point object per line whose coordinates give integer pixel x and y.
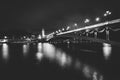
{"type": "Point", "coordinates": [83, 32]}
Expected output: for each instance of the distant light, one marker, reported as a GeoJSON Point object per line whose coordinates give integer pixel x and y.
{"type": "Point", "coordinates": [59, 30]}
{"type": "Point", "coordinates": [68, 28]}
{"type": "Point", "coordinates": [75, 24]}
{"type": "Point", "coordinates": [56, 31]}
{"type": "Point", "coordinates": [39, 36]}
{"type": "Point", "coordinates": [87, 20]}
{"type": "Point", "coordinates": [109, 13]}
{"type": "Point", "coordinates": [97, 19]}
{"type": "Point", "coordinates": [63, 29]}
{"type": "Point", "coordinates": [105, 14]}
{"type": "Point", "coordinates": [5, 37]}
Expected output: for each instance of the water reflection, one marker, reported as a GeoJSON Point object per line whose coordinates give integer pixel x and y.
{"type": "Point", "coordinates": [107, 49]}
{"type": "Point", "coordinates": [54, 54]}
{"type": "Point", "coordinates": [25, 49]}
{"type": "Point", "coordinates": [5, 51]}
{"type": "Point", "coordinates": [63, 59]}
{"type": "Point", "coordinates": [49, 51]}
{"type": "Point", "coordinates": [39, 54]}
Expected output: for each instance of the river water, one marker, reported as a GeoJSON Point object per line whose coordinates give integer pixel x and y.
{"type": "Point", "coordinates": [60, 61]}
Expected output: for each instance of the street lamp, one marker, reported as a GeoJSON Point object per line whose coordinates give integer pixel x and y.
{"type": "Point", "coordinates": [59, 30]}
{"type": "Point", "coordinates": [75, 24]}
{"type": "Point", "coordinates": [5, 37]}
{"type": "Point", "coordinates": [86, 21]}
{"type": "Point", "coordinates": [56, 31]}
{"type": "Point", "coordinates": [97, 19]}
{"type": "Point", "coordinates": [107, 13]}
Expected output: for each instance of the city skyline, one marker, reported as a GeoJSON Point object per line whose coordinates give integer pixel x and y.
{"type": "Point", "coordinates": [50, 15]}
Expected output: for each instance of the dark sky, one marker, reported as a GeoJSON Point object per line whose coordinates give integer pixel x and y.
{"type": "Point", "coordinates": [52, 14]}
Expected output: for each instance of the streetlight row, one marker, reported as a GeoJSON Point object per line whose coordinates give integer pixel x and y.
{"type": "Point", "coordinates": [97, 19]}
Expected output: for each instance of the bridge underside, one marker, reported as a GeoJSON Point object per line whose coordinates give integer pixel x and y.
{"type": "Point", "coordinates": [81, 38]}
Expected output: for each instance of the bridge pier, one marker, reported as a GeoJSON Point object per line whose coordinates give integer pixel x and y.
{"type": "Point", "coordinates": [107, 33]}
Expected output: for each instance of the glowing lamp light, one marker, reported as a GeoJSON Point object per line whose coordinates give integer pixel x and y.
{"type": "Point", "coordinates": [5, 37]}
{"type": "Point", "coordinates": [97, 19]}
{"type": "Point", "coordinates": [63, 29]}
{"type": "Point", "coordinates": [109, 13]}
{"type": "Point", "coordinates": [87, 20]}
{"type": "Point", "coordinates": [56, 31]}
{"type": "Point", "coordinates": [39, 37]}
{"type": "Point", "coordinates": [105, 14]}
{"type": "Point", "coordinates": [75, 24]}
{"type": "Point", "coordinates": [59, 30]}
{"type": "Point", "coordinates": [68, 28]}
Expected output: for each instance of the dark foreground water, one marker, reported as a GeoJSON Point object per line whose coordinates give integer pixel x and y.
{"type": "Point", "coordinates": [45, 61]}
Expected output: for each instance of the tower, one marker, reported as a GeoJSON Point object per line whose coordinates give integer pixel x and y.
{"type": "Point", "coordinates": [43, 33]}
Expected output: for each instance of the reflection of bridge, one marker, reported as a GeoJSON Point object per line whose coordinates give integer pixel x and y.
{"type": "Point", "coordinates": [85, 31]}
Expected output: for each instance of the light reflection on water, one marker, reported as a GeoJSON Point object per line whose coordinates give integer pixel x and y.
{"type": "Point", "coordinates": [39, 54]}
{"type": "Point", "coordinates": [107, 49]}
{"type": "Point", "coordinates": [5, 51]}
{"type": "Point", "coordinates": [25, 49]}
{"type": "Point", "coordinates": [52, 53]}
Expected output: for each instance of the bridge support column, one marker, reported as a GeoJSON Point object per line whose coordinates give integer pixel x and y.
{"type": "Point", "coordinates": [95, 35]}
{"type": "Point", "coordinates": [107, 35]}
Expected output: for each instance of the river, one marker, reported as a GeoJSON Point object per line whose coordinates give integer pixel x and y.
{"type": "Point", "coordinates": [60, 61]}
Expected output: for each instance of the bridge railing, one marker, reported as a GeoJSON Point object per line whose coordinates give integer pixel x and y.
{"type": "Point", "coordinates": [51, 35]}
{"type": "Point", "coordinates": [91, 26]}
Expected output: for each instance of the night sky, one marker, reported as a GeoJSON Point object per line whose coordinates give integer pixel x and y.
{"type": "Point", "coordinates": [32, 16]}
